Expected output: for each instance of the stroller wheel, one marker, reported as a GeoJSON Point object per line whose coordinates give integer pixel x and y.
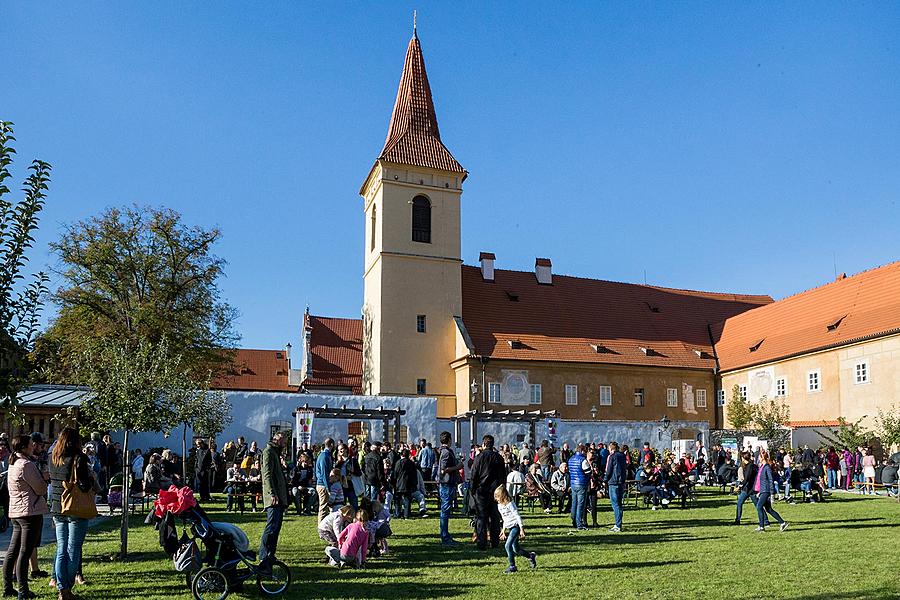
{"type": "Point", "coordinates": [189, 577]}
{"type": "Point", "coordinates": [210, 583]}
{"type": "Point", "coordinates": [276, 582]}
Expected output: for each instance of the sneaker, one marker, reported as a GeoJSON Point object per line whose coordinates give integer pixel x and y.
{"type": "Point", "coordinates": [547, 511]}
{"type": "Point", "coordinates": [758, 529]}
{"type": "Point", "coordinates": [450, 543]}
{"type": "Point", "coordinates": [654, 507]}
{"type": "Point", "coordinates": [614, 529]}
{"type": "Point", "coordinates": [510, 570]}
{"type": "Point", "coordinates": [784, 526]}
{"type": "Point", "coordinates": [582, 528]}
{"type": "Point", "coordinates": [665, 501]}
{"type": "Point", "coordinates": [532, 558]}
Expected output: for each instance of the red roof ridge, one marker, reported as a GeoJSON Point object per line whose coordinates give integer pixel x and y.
{"type": "Point", "coordinates": [845, 278]}
{"type": "Point", "coordinates": [727, 295]}
{"type": "Point", "coordinates": [323, 317]}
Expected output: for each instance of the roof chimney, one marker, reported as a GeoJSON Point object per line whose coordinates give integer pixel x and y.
{"type": "Point", "coordinates": [841, 276]}
{"type": "Point", "coordinates": [542, 271]}
{"type": "Point", "coordinates": [487, 265]}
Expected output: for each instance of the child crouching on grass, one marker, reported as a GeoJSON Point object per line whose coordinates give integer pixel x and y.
{"type": "Point", "coordinates": [353, 542]}
{"type": "Point", "coordinates": [513, 530]}
{"type": "Point", "coordinates": [331, 526]}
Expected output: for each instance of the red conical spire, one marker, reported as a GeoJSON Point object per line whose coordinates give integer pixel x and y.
{"type": "Point", "coordinates": [413, 136]}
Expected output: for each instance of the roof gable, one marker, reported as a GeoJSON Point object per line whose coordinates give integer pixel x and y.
{"type": "Point", "coordinates": [335, 352]}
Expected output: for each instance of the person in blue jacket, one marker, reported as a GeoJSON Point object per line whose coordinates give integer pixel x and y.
{"type": "Point", "coordinates": [324, 465]}
{"type": "Point", "coordinates": [616, 472]}
{"type": "Point", "coordinates": [765, 487]}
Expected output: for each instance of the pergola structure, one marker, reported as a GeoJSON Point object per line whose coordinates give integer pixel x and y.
{"type": "Point", "coordinates": [385, 415]}
{"type": "Point", "coordinates": [500, 416]}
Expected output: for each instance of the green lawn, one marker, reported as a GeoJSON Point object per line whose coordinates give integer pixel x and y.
{"type": "Point", "coordinates": [844, 548]}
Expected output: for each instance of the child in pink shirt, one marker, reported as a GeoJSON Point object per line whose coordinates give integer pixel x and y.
{"type": "Point", "coordinates": [353, 542]}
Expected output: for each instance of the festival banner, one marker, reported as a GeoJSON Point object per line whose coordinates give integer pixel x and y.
{"type": "Point", "coordinates": [304, 427]}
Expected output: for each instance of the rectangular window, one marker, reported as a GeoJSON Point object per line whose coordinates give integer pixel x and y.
{"type": "Point", "coordinates": [605, 395]}
{"type": "Point", "coordinates": [420, 323]}
{"type": "Point", "coordinates": [420, 386]}
{"type": "Point", "coordinates": [571, 395]}
{"type": "Point", "coordinates": [535, 393]}
{"type": "Point", "coordinates": [672, 397]}
{"type": "Point", "coordinates": [862, 372]}
{"type": "Point", "coordinates": [743, 390]}
{"type": "Point", "coordinates": [494, 393]}
{"type": "Point", "coordinates": [813, 383]}
{"type": "Point", "coordinates": [720, 398]}
{"type": "Point", "coordinates": [781, 387]}
{"type": "Point", "coordinates": [638, 396]}
{"type": "Point", "coordinates": [701, 398]}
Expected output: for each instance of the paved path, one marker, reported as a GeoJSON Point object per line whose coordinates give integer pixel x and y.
{"type": "Point", "coordinates": [48, 536]}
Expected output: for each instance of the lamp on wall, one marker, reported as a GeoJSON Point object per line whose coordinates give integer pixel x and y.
{"type": "Point", "coordinates": [594, 412]}
{"type": "Point", "coordinates": [474, 389]}
{"type": "Point", "coordinates": [664, 423]}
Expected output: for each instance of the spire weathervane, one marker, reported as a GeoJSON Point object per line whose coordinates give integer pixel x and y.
{"type": "Point", "coordinates": [415, 35]}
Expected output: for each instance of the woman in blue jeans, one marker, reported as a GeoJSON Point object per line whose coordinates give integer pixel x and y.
{"type": "Point", "coordinates": [67, 458]}
{"type": "Point", "coordinates": [765, 486]}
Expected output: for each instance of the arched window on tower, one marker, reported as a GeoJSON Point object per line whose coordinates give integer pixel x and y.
{"type": "Point", "coordinates": [421, 220]}
{"type": "Point", "coordinates": [372, 236]}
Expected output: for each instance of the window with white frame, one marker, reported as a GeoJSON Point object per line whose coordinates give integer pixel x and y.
{"type": "Point", "coordinates": [535, 393]}
{"type": "Point", "coordinates": [720, 398]}
{"type": "Point", "coordinates": [743, 391]}
{"type": "Point", "coordinates": [781, 387]}
{"type": "Point", "coordinates": [494, 393]}
{"type": "Point", "coordinates": [861, 371]}
{"type": "Point", "coordinates": [701, 398]}
{"type": "Point", "coordinates": [813, 381]}
{"type": "Point", "coordinates": [605, 395]}
{"type": "Point", "coordinates": [638, 399]}
{"type": "Point", "coordinates": [672, 397]}
{"type": "Point", "coordinates": [571, 395]}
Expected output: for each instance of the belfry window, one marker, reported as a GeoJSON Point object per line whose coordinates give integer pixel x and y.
{"type": "Point", "coordinates": [421, 220]}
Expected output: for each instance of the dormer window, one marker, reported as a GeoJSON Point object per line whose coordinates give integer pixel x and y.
{"type": "Point", "coordinates": [421, 220]}
{"type": "Point", "coordinates": [516, 344]}
{"type": "Point", "coordinates": [835, 323]}
{"type": "Point", "coordinates": [756, 345]}
{"type": "Point", "coordinates": [512, 296]}
{"type": "Point", "coordinates": [652, 307]}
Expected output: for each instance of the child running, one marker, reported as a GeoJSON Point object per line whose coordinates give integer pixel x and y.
{"type": "Point", "coordinates": [513, 530]}
{"type": "Point", "coordinates": [353, 543]}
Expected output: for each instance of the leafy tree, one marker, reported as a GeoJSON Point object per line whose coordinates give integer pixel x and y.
{"type": "Point", "coordinates": [20, 306]}
{"type": "Point", "coordinates": [847, 435]}
{"type": "Point", "coordinates": [140, 274]}
{"type": "Point", "coordinates": [207, 412]}
{"type": "Point", "coordinates": [740, 411]}
{"type": "Point", "coordinates": [887, 427]}
{"type": "Point", "coordinates": [134, 385]}
{"type": "Point", "coordinates": [770, 418]}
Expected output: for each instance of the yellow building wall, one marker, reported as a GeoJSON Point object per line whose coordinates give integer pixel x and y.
{"type": "Point", "coordinates": [623, 379]}
{"type": "Point", "coordinates": [404, 279]}
{"type": "Point", "coordinates": [840, 395]}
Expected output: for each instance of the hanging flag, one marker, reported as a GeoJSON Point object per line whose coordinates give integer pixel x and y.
{"type": "Point", "coordinates": [304, 427]}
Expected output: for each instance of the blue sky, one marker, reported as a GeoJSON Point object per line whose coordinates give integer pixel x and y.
{"type": "Point", "coordinates": [715, 146]}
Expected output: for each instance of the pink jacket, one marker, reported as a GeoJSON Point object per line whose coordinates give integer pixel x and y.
{"type": "Point", "coordinates": [27, 489]}
{"type": "Point", "coordinates": [354, 541]}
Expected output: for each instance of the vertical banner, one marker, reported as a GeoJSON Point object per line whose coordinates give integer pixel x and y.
{"type": "Point", "coordinates": [304, 427]}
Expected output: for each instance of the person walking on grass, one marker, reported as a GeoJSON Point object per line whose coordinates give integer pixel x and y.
{"type": "Point", "coordinates": [449, 471]}
{"type": "Point", "coordinates": [324, 465]}
{"type": "Point", "coordinates": [750, 471]}
{"type": "Point", "coordinates": [513, 530]}
{"type": "Point", "coordinates": [765, 487]}
{"type": "Point", "coordinates": [275, 499]}
{"type": "Point", "coordinates": [488, 471]}
{"type": "Point", "coordinates": [616, 471]}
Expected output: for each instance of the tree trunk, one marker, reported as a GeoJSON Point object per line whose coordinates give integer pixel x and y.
{"type": "Point", "coordinates": [184, 455]}
{"type": "Point", "coordinates": [126, 499]}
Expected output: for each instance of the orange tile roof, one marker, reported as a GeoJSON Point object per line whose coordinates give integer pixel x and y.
{"type": "Point", "coordinates": [844, 311]}
{"type": "Point", "coordinates": [796, 424]}
{"type": "Point", "coordinates": [567, 320]}
{"type": "Point", "coordinates": [413, 136]}
{"type": "Point", "coordinates": [336, 353]}
{"type": "Point", "coordinates": [257, 371]}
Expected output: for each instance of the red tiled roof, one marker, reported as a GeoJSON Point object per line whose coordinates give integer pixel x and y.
{"type": "Point", "coordinates": [844, 311]}
{"type": "Point", "coordinates": [413, 136]}
{"type": "Point", "coordinates": [796, 424]}
{"type": "Point", "coordinates": [567, 320]}
{"type": "Point", "coordinates": [336, 353]}
{"type": "Point", "coordinates": [256, 371]}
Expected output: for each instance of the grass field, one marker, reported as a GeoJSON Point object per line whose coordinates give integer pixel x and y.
{"type": "Point", "coordinates": [845, 548]}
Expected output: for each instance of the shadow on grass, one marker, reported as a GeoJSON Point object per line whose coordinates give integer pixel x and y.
{"type": "Point", "coordinates": [881, 594]}
{"type": "Point", "coordinates": [626, 565]}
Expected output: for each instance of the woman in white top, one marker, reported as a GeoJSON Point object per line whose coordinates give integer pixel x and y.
{"type": "Point", "coordinates": [513, 530]}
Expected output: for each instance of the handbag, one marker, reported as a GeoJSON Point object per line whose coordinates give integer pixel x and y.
{"type": "Point", "coordinates": [74, 501]}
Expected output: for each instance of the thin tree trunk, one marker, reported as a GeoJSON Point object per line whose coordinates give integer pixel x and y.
{"type": "Point", "coordinates": [126, 499]}
{"type": "Point", "coordinates": [184, 455]}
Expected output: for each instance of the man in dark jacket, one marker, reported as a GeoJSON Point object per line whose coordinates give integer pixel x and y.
{"type": "Point", "coordinates": [488, 472]}
{"type": "Point", "coordinates": [616, 471]}
{"type": "Point", "coordinates": [275, 499]}
{"type": "Point", "coordinates": [373, 472]}
{"type": "Point", "coordinates": [747, 485]}
{"type": "Point", "coordinates": [405, 477]}
{"type": "Point", "coordinates": [203, 462]}
{"type": "Point", "coordinates": [448, 475]}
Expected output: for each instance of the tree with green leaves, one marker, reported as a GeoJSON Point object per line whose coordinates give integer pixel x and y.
{"type": "Point", "coordinates": [887, 427]}
{"type": "Point", "coordinates": [134, 386]}
{"type": "Point", "coordinates": [770, 417]}
{"type": "Point", "coordinates": [740, 411]}
{"type": "Point", "coordinates": [140, 274]}
{"type": "Point", "coordinates": [846, 434]}
{"type": "Point", "coordinates": [206, 412]}
{"type": "Point", "coordinates": [20, 304]}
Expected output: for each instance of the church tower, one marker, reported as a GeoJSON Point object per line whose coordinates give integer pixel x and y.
{"type": "Point", "coordinates": [412, 254]}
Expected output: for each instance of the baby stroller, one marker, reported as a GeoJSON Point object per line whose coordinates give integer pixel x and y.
{"type": "Point", "coordinates": [226, 562]}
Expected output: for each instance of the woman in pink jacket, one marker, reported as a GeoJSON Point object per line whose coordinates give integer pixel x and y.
{"type": "Point", "coordinates": [27, 507]}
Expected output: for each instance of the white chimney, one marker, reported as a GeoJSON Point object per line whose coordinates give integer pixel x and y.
{"type": "Point", "coordinates": [542, 270]}
{"type": "Point", "coordinates": [487, 265]}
